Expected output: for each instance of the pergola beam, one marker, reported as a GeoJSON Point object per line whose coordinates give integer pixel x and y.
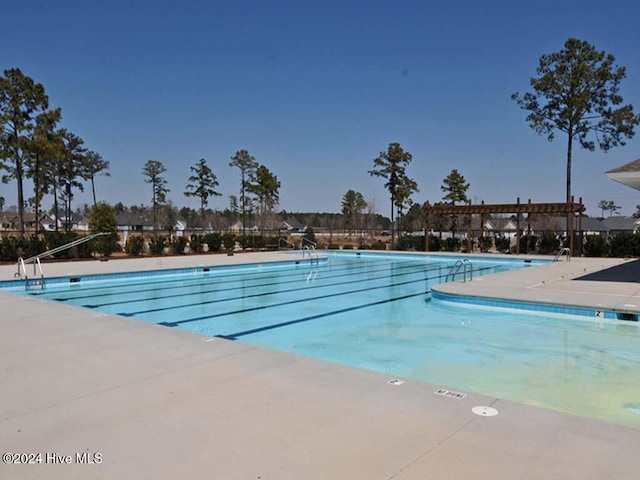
{"type": "Point", "coordinates": [516, 208]}
{"type": "Point", "coordinates": [570, 208]}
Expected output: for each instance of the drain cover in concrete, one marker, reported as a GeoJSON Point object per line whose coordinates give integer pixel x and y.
{"type": "Point", "coordinates": [485, 411]}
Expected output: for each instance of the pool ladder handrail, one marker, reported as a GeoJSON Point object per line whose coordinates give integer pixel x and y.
{"type": "Point", "coordinates": [287, 244]}
{"type": "Point", "coordinates": [37, 269]}
{"type": "Point", "coordinates": [313, 255]}
{"type": "Point", "coordinates": [466, 266]}
{"type": "Point", "coordinates": [311, 243]}
{"type": "Point", "coordinates": [37, 266]}
{"type": "Point", "coordinates": [563, 251]}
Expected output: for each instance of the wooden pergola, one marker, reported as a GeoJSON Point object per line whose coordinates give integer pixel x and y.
{"type": "Point", "coordinates": [571, 209]}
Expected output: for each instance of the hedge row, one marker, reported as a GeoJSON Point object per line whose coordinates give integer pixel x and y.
{"type": "Point", "coordinates": [620, 245]}
{"type": "Point", "coordinates": [215, 242]}
{"type": "Point", "coordinates": [12, 247]}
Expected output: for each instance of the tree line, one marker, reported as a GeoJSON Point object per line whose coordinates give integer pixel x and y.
{"type": "Point", "coordinates": [259, 188]}
{"type": "Point", "coordinates": [34, 146]}
{"type": "Point", "coordinates": [576, 92]}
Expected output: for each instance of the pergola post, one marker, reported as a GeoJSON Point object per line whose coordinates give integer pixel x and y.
{"type": "Point", "coordinates": [469, 231]}
{"type": "Point", "coordinates": [572, 216]}
{"type": "Point", "coordinates": [427, 209]}
{"type": "Point", "coordinates": [518, 227]}
{"type": "Point", "coordinates": [481, 225]}
{"type": "Point", "coordinates": [580, 229]}
{"type": "Point", "coordinates": [529, 226]}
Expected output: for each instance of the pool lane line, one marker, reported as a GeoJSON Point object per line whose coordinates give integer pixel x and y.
{"type": "Point", "coordinates": [189, 280]}
{"type": "Point", "coordinates": [262, 294]}
{"type": "Point", "coordinates": [244, 333]}
{"type": "Point", "coordinates": [290, 302]}
{"type": "Point", "coordinates": [214, 287]}
{"type": "Point", "coordinates": [305, 287]}
{"type": "Point", "coordinates": [204, 281]}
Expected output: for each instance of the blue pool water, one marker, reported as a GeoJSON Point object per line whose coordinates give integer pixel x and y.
{"type": "Point", "coordinates": [374, 312]}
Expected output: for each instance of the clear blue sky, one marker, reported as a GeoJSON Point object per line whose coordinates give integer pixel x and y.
{"type": "Point", "coordinates": [315, 90]}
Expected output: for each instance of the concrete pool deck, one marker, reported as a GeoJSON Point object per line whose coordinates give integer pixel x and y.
{"type": "Point", "coordinates": [599, 283]}
{"type": "Point", "coordinates": [157, 402]}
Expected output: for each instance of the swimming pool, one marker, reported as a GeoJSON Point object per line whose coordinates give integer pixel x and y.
{"type": "Point", "coordinates": [373, 311]}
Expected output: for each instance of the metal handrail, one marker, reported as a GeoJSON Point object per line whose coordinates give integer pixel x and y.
{"type": "Point", "coordinates": [22, 272]}
{"type": "Point", "coordinates": [563, 251]}
{"type": "Point", "coordinates": [66, 246]}
{"type": "Point", "coordinates": [466, 266]}
{"type": "Point", "coordinates": [305, 239]}
{"type": "Point", "coordinates": [287, 244]}
{"type": "Point", "coordinates": [313, 255]}
{"type": "Point", "coordinates": [37, 265]}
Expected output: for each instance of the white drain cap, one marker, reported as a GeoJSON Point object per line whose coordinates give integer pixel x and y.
{"type": "Point", "coordinates": [485, 411]}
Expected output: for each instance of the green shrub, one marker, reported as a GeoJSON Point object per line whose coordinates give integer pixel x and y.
{"type": "Point", "coordinates": [404, 243]}
{"type": "Point", "coordinates": [255, 242]}
{"type": "Point", "coordinates": [451, 244]}
{"type": "Point", "coordinates": [528, 243]}
{"type": "Point", "coordinates": [195, 243]}
{"type": "Point", "coordinates": [55, 240]}
{"type": "Point", "coordinates": [549, 243]}
{"type": "Point", "coordinates": [13, 247]}
{"type": "Point", "coordinates": [410, 242]}
{"type": "Point", "coordinates": [271, 242]}
{"type": "Point", "coordinates": [485, 244]}
{"type": "Point", "coordinates": [347, 247]}
{"type": "Point", "coordinates": [596, 246]}
{"type": "Point", "coordinates": [502, 244]}
{"type": "Point", "coordinates": [178, 245]}
{"type": "Point", "coordinates": [378, 245]}
{"type": "Point", "coordinates": [103, 219]}
{"type": "Point", "coordinates": [58, 239]}
{"type": "Point", "coordinates": [418, 243]}
{"type": "Point", "coordinates": [213, 241]}
{"type": "Point", "coordinates": [624, 244]}
{"type": "Point", "coordinates": [333, 246]}
{"type": "Point", "coordinates": [134, 245]}
{"type": "Point", "coordinates": [310, 235]}
{"type": "Point", "coordinates": [435, 244]}
{"type": "Point", "coordinates": [229, 241]}
{"type": "Point", "coordinates": [156, 245]}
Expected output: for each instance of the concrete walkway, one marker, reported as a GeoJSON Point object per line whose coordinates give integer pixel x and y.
{"type": "Point", "coordinates": [598, 283]}
{"type": "Point", "coordinates": [155, 402]}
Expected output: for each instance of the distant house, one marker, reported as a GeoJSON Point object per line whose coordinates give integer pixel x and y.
{"type": "Point", "coordinates": [72, 222]}
{"type": "Point", "coordinates": [180, 227]}
{"type": "Point", "coordinates": [130, 222]}
{"type": "Point", "coordinates": [82, 225]}
{"type": "Point", "coordinates": [292, 225]}
{"type": "Point", "coordinates": [249, 226]}
{"type": "Point", "coordinates": [7, 221]}
{"type": "Point", "coordinates": [497, 226]}
{"type": "Point", "coordinates": [592, 226]}
{"type": "Point", "coordinates": [618, 224]}
{"type": "Point", "coordinates": [48, 222]}
{"type": "Point", "coordinates": [28, 218]}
